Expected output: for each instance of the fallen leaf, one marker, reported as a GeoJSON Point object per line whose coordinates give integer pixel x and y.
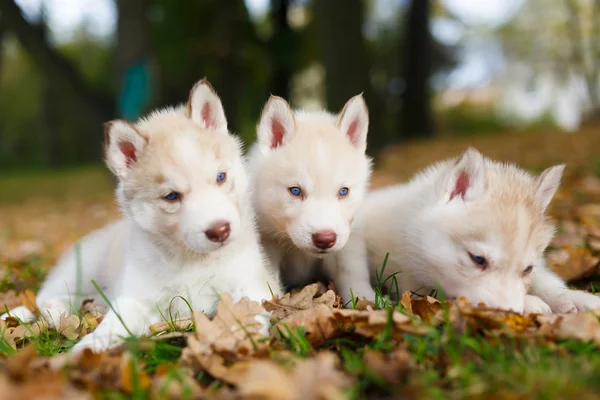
{"type": "Point", "coordinates": [179, 324]}
{"type": "Point", "coordinates": [307, 298]}
{"type": "Point", "coordinates": [319, 324]}
{"type": "Point", "coordinates": [579, 326]}
{"type": "Point", "coordinates": [317, 378]}
{"type": "Point", "coordinates": [232, 335]}
{"type": "Point", "coordinates": [392, 367]}
{"type": "Point", "coordinates": [406, 301]}
{"type": "Point", "coordinates": [133, 375]}
{"type": "Point", "coordinates": [573, 263]}
{"type": "Point", "coordinates": [28, 300]}
{"type": "Point", "coordinates": [69, 326]}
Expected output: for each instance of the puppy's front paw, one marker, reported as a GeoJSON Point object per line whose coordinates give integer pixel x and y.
{"type": "Point", "coordinates": [569, 301]}
{"type": "Point", "coordinates": [535, 305]}
{"type": "Point", "coordinates": [53, 309]}
{"type": "Point", "coordinates": [357, 292]}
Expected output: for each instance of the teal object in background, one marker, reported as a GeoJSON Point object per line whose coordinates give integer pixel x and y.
{"type": "Point", "coordinates": [136, 91]}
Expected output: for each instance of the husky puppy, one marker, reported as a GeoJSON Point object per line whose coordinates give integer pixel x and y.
{"type": "Point", "coordinates": [309, 175]}
{"type": "Point", "coordinates": [473, 227]}
{"type": "Point", "coordinates": [188, 228]}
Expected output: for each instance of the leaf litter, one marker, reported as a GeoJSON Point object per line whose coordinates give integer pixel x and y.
{"type": "Point", "coordinates": [315, 348]}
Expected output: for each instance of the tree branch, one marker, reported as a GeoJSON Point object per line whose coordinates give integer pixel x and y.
{"type": "Point", "coordinates": [57, 69]}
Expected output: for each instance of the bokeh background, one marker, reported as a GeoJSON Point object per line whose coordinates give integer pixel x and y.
{"type": "Point", "coordinates": [517, 79]}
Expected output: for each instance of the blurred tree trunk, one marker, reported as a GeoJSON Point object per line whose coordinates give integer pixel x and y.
{"type": "Point", "coordinates": [2, 35]}
{"type": "Point", "coordinates": [91, 106]}
{"type": "Point", "coordinates": [133, 59]}
{"type": "Point", "coordinates": [588, 71]}
{"type": "Point", "coordinates": [230, 19]}
{"type": "Point", "coordinates": [416, 116]}
{"type": "Point", "coordinates": [281, 46]}
{"type": "Point", "coordinates": [49, 134]}
{"type": "Point", "coordinates": [343, 51]}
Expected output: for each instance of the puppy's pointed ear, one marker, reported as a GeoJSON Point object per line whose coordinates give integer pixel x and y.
{"type": "Point", "coordinates": [205, 108]}
{"type": "Point", "coordinates": [123, 146]}
{"type": "Point", "coordinates": [277, 124]}
{"type": "Point", "coordinates": [353, 121]}
{"type": "Point", "coordinates": [547, 184]}
{"type": "Point", "coordinates": [465, 179]}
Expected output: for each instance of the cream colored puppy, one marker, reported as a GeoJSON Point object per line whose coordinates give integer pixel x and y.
{"type": "Point", "coordinates": [473, 227]}
{"type": "Point", "coordinates": [187, 230]}
{"type": "Point", "coordinates": [310, 173]}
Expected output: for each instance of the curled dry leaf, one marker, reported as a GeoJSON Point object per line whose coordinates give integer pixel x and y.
{"type": "Point", "coordinates": [165, 386]}
{"type": "Point", "coordinates": [232, 335]}
{"type": "Point", "coordinates": [319, 324]}
{"type": "Point", "coordinates": [14, 334]}
{"type": "Point", "coordinates": [579, 326]}
{"type": "Point", "coordinates": [69, 326]}
{"type": "Point", "coordinates": [310, 296]}
{"type": "Point", "coordinates": [235, 329]}
{"type": "Point", "coordinates": [425, 307]}
{"type": "Point", "coordinates": [311, 379]}
{"type": "Point", "coordinates": [373, 323]}
{"type": "Point", "coordinates": [180, 324]}
{"type": "Point", "coordinates": [465, 317]}
{"type": "Point", "coordinates": [132, 375]}
{"type": "Point", "coordinates": [392, 367]}
{"type": "Point", "coordinates": [573, 263]}
{"type": "Point", "coordinates": [88, 306]}
{"type": "Point", "coordinates": [28, 299]}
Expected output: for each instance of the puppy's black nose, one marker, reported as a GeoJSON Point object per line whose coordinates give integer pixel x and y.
{"type": "Point", "coordinates": [324, 239]}
{"type": "Point", "coordinates": [218, 232]}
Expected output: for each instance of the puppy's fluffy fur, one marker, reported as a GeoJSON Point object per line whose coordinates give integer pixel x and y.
{"type": "Point", "coordinates": [188, 227]}
{"type": "Point", "coordinates": [472, 226]}
{"type": "Point", "coordinates": [310, 173]}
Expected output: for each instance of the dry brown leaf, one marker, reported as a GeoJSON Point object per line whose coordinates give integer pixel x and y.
{"type": "Point", "coordinates": [392, 366]}
{"type": "Point", "coordinates": [199, 357]}
{"type": "Point", "coordinates": [234, 330]}
{"type": "Point", "coordinates": [88, 306]}
{"type": "Point", "coordinates": [311, 379]}
{"type": "Point", "coordinates": [588, 212]}
{"type": "Point", "coordinates": [9, 300]}
{"type": "Point", "coordinates": [573, 263]}
{"type": "Point", "coordinates": [373, 323]}
{"type": "Point", "coordinates": [128, 368]}
{"type": "Point", "coordinates": [69, 326]}
{"type": "Point", "coordinates": [29, 301]}
{"type": "Point", "coordinates": [164, 386]}
{"type": "Point", "coordinates": [406, 301]}
{"type": "Point", "coordinates": [14, 335]}
{"type": "Point", "coordinates": [568, 239]}
{"type": "Point", "coordinates": [579, 326]}
{"type": "Point", "coordinates": [464, 316]}
{"type": "Point", "coordinates": [426, 307]}
{"type": "Point", "coordinates": [233, 334]}
{"type": "Point", "coordinates": [319, 324]}
{"type": "Point", "coordinates": [179, 324]}
{"type": "Point", "coordinates": [309, 297]}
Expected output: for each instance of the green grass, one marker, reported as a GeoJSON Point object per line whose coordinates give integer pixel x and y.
{"type": "Point", "coordinates": [25, 274]}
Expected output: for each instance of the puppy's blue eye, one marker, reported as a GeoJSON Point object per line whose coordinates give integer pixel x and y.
{"type": "Point", "coordinates": [173, 196]}
{"type": "Point", "coordinates": [344, 192]}
{"type": "Point", "coordinates": [295, 191]}
{"type": "Point", "coordinates": [221, 177]}
{"type": "Point", "coordinates": [480, 261]}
